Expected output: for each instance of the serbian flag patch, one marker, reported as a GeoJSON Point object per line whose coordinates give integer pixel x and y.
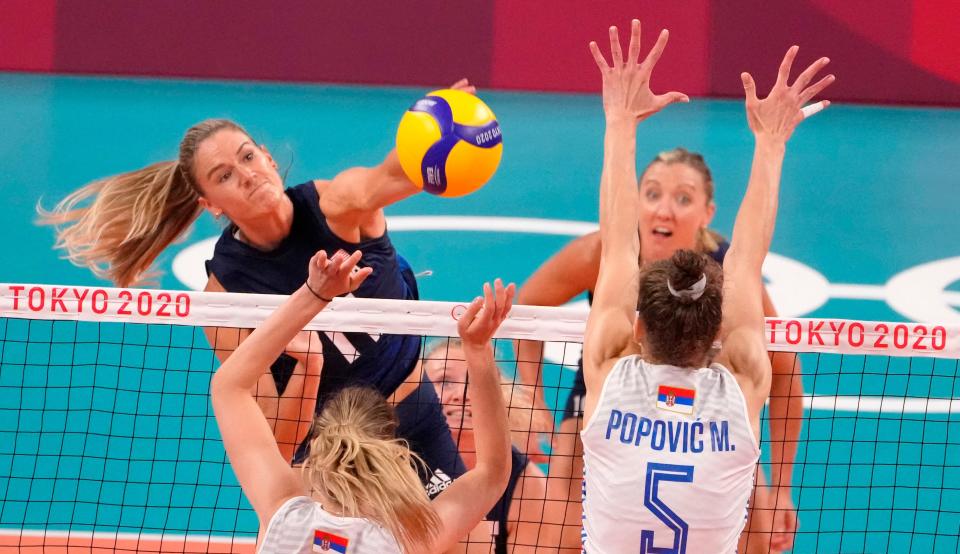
{"type": "Point", "coordinates": [675, 399]}
{"type": "Point", "coordinates": [328, 542]}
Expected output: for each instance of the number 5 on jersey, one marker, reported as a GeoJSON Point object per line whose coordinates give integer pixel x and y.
{"type": "Point", "coordinates": [655, 474]}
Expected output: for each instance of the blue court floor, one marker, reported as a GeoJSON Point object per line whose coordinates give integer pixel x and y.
{"type": "Point", "coordinates": [867, 202]}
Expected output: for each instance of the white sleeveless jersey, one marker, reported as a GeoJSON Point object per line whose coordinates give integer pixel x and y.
{"type": "Point", "coordinates": [669, 461]}
{"type": "Point", "coordinates": [302, 526]}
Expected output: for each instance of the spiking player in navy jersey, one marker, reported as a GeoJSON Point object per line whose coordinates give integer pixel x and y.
{"type": "Point", "coordinates": [265, 252]}
{"type": "Point", "coordinates": [132, 217]}
{"type": "Point", "coordinates": [273, 232]}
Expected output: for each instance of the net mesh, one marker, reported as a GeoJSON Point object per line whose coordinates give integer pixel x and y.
{"type": "Point", "coordinates": [108, 442]}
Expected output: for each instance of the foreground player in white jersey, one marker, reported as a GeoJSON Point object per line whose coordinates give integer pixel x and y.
{"type": "Point", "coordinates": [359, 491]}
{"type": "Point", "coordinates": [670, 446]}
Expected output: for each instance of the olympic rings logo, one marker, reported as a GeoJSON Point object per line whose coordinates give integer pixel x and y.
{"type": "Point", "coordinates": [919, 293]}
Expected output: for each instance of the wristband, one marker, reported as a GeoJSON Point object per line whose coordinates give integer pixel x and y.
{"type": "Point", "coordinates": [313, 292]}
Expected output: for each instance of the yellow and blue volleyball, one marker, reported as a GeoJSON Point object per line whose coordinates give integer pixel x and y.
{"type": "Point", "coordinates": [449, 143]}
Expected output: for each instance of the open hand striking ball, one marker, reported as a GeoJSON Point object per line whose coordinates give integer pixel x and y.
{"type": "Point", "coordinates": [449, 143]}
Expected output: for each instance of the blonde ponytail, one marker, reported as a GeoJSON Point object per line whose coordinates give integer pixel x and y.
{"type": "Point", "coordinates": [356, 463]}
{"type": "Point", "coordinates": [130, 219]}
{"type": "Point", "coordinates": [708, 241]}
{"type": "Point", "coordinates": [133, 216]}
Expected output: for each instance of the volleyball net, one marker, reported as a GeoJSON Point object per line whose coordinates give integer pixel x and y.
{"type": "Point", "coordinates": [108, 442]}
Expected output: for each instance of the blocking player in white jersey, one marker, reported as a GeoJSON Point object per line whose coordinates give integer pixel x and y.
{"type": "Point", "coordinates": [670, 440]}
{"type": "Point", "coordinates": [358, 490]}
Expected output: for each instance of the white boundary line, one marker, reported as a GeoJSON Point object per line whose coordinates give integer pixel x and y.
{"type": "Point", "coordinates": [107, 536]}
{"type": "Point", "coordinates": [531, 225]}
{"type": "Point", "coordinates": [882, 404]}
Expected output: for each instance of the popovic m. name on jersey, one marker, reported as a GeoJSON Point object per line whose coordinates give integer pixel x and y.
{"type": "Point", "coordinates": [672, 435]}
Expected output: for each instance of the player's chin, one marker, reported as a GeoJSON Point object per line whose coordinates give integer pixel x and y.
{"type": "Point", "coordinates": [265, 199]}
{"type": "Point", "coordinates": [657, 252]}
{"type": "Point", "coordinates": [459, 424]}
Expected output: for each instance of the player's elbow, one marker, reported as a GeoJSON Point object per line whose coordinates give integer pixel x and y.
{"type": "Point", "coordinates": [746, 256]}
{"type": "Point", "coordinates": [530, 297]}
{"type": "Point", "coordinates": [223, 385]}
{"type": "Point", "coordinates": [494, 484]}
{"type": "Point", "coordinates": [527, 294]}
{"type": "Point", "coordinates": [219, 387]}
{"type": "Point", "coordinates": [499, 470]}
{"type": "Point", "coordinates": [348, 192]}
{"type": "Point", "coordinates": [494, 471]}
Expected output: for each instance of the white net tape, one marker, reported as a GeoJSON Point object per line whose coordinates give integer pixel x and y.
{"type": "Point", "coordinates": [74, 303]}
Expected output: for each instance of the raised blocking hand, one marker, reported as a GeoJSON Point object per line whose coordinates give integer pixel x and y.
{"type": "Point", "coordinates": [328, 278]}
{"type": "Point", "coordinates": [626, 82]}
{"type": "Point", "coordinates": [484, 315]}
{"type": "Point", "coordinates": [777, 115]}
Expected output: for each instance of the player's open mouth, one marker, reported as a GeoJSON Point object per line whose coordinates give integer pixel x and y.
{"type": "Point", "coordinates": [459, 414]}
{"type": "Point", "coordinates": [662, 232]}
{"type": "Point", "coordinates": [257, 187]}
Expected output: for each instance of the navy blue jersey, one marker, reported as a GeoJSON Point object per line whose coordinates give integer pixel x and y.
{"type": "Point", "coordinates": [500, 511]}
{"type": "Point", "coordinates": [721, 252]}
{"type": "Point", "coordinates": [382, 362]}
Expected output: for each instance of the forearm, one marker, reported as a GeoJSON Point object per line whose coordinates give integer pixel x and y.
{"type": "Point", "coordinates": [610, 323]}
{"type": "Point", "coordinates": [786, 417]}
{"type": "Point", "coordinates": [491, 430]}
{"type": "Point", "coordinates": [356, 193]}
{"type": "Point", "coordinates": [388, 185]}
{"type": "Point", "coordinates": [254, 355]}
{"type": "Point", "coordinates": [619, 202]}
{"type": "Point", "coordinates": [753, 229]}
{"type": "Point", "coordinates": [782, 473]}
{"type": "Point", "coordinates": [224, 340]}
{"type": "Point", "coordinates": [530, 362]}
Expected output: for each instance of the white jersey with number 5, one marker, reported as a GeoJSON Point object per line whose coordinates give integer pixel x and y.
{"type": "Point", "coordinates": [669, 461]}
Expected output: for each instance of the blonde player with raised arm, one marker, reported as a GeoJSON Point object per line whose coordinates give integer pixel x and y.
{"type": "Point", "coordinates": [359, 491]}
{"type": "Point", "coordinates": [670, 443]}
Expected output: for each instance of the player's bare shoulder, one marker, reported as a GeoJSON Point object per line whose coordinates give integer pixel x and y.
{"type": "Point", "coordinates": [744, 353]}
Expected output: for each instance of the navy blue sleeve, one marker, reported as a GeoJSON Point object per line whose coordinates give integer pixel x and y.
{"type": "Point", "coordinates": [721, 252]}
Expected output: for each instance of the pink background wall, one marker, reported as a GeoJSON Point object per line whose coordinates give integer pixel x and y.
{"type": "Point", "coordinates": [895, 51]}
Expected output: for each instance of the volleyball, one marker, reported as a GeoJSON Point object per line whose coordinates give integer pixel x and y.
{"type": "Point", "coordinates": [449, 143]}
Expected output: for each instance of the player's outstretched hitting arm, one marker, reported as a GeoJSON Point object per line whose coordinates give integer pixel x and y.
{"type": "Point", "coordinates": [354, 199]}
